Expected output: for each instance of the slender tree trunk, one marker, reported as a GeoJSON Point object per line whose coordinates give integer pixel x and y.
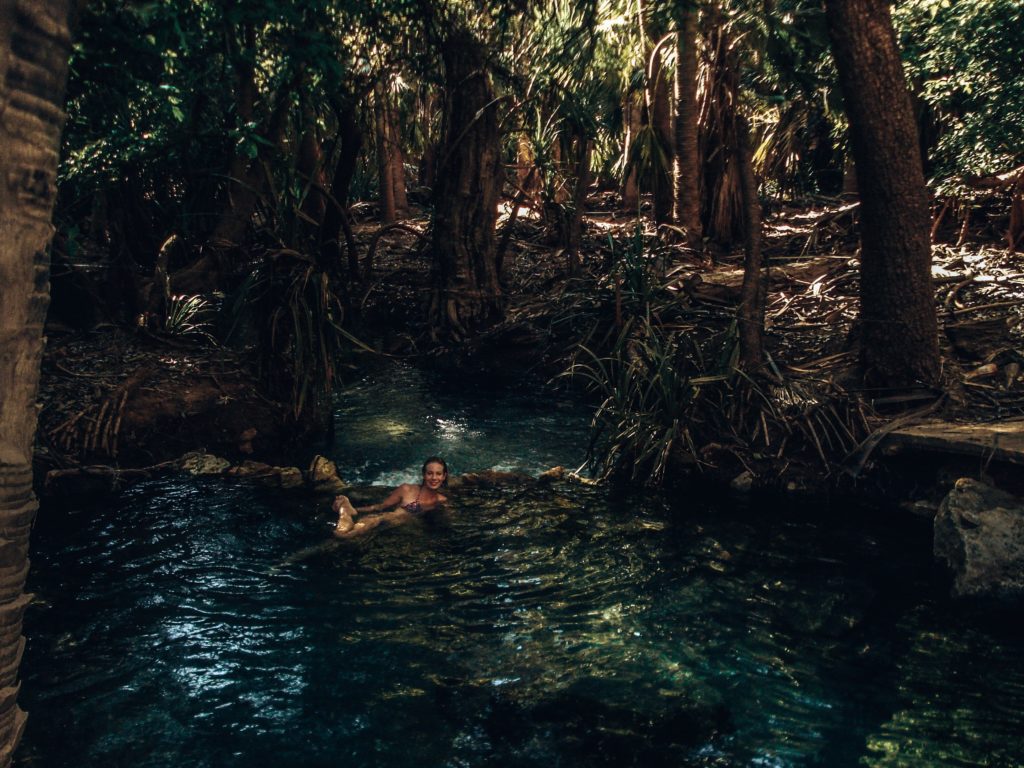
{"type": "Point", "coordinates": [849, 178]}
{"type": "Point", "coordinates": [311, 169]}
{"type": "Point", "coordinates": [34, 48]}
{"type": "Point", "coordinates": [630, 189]}
{"type": "Point", "coordinates": [385, 166]}
{"type": "Point", "coordinates": [899, 335]}
{"type": "Point", "coordinates": [335, 222]}
{"type": "Point", "coordinates": [466, 291]}
{"type": "Point", "coordinates": [426, 118]}
{"type": "Point", "coordinates": [397, 158]}
{"type": "Point", "coordinates": [579, 202]}
{"type": "Point", "coordinates": [686, 172]}
{"type": "Point", "coordinates": [661, 122]}
{"type": "Point", "coordinates": [526, 171]}
{"type": "Point", "coordinates": [754, 292]}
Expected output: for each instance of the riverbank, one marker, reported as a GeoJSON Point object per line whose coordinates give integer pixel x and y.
{"type": "Point", "coordinates": [129, 398]}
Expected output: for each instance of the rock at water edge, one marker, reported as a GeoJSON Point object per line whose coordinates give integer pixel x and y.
{"type": "Point", "coordinates": [979, 535]}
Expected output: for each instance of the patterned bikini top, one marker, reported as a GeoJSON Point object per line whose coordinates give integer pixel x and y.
{"type": "Point", "coordinates": [414, 507]}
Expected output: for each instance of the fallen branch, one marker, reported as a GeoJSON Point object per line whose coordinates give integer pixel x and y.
{"type": "Point", "coordinates": [998, 180]}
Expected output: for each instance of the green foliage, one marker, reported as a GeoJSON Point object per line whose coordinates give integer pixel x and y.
{"type": "Point", "coordinates": [791, 94]}
{"type": "Point", "coordinates": [965, 58]}
{"type": "Point", "coordinates": [189, 316]}
{"type": "Point", "coordinates": [634, 269]}
{"type": "Point", "coordinates": [657, 378]}
{"type": "Point", "coordinates": [569, 71]}
{"type": "Point", "coordinates": [651, 390]}
{"type": "Point", "coordinates": [166, 124]}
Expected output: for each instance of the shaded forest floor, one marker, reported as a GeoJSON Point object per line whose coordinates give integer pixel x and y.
{"type": "Point", "coordinates": [131, 398]}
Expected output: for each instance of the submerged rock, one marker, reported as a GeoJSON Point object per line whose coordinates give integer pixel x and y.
{"type": "Point", "coordinates": [979, 536]}
{"type": "Point", "coordinates": [561, 473]}
{"type": "Point", "coordinates": [598, 720]}
{"type": "Point", "coordinates": [283, 477]}
{"type": "Point", "coordinates": [489, 478]}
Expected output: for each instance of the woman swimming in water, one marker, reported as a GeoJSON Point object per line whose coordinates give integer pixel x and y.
{"type": "Point", "coordinates": [405, 503]}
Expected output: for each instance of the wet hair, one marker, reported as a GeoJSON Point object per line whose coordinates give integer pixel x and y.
{"type": "Point", "coordinates": [436, 460]}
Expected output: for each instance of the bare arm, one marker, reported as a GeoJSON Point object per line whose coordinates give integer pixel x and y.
{"type": "Point", "coordinates": [393, 499]}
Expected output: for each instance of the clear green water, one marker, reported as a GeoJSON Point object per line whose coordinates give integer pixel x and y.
{"type": "Point", "coordinates": [546, 626]}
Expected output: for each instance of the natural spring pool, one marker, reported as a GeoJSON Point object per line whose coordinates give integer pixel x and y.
{"type": "Point", "coordinates": [551, 625]}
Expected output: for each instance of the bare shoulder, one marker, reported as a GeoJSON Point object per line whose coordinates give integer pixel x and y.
{"type": "Point", "coordinates": [442, 499]}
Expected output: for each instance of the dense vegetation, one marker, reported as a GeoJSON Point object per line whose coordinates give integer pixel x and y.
{"type": "Point", "coordinates": [221, 161]}
{"type": "Point", "coordinates": [221, 164]}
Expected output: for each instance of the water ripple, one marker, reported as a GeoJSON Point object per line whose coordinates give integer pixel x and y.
{"type": "Point", "coordinates": [554, 626]}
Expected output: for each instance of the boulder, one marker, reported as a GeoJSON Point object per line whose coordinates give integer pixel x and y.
{"type": "Point", "coordinates": [979, 536]}
{"type": "Point", "coordinates": [204, 464]}
{"type": "Point", "coordinates": [290, 477]}
{"type": "Point", "coordinates": [323, 476]}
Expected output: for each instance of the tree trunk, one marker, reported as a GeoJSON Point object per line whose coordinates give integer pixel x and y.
{"type": "Point", "coordinates": [397, 158]}
{"type": "Point", "coordinates": [385, 166]}
{"type": "Point", "coordinates": [34, 48]}
{"type": "Point", "coordinates": [722, 197]}
{"type": "Point", "coordinates": [245, 113]}
{"type": "Point", "coordinates": [527, 176]}
{"type": "Point", "coordinates": [584, 149]}
{"type": "Point", "coordinates": [335, 223]}
{"type": "Point", "coordinates": [661, 121]}
{"type": "Point", "coordinates": [426, 101]}
{"type": "Point", "coordinates": [899, 336]}
{"type": "Point", "coordinates": [686, 171]}
{"type": "Point", "coordinates": [630, 189]}
{"type": "Point", "coordinates": [248, 187]}
{"type": "Point", "coordinates": [466, 292]}
{"type": "Point", "coordinates": [754, 292]}
{"type": "Point", "coordinates": [311, 169]}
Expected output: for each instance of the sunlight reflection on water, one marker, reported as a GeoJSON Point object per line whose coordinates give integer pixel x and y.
{"type": "Point", "coordinates": [534, 625]}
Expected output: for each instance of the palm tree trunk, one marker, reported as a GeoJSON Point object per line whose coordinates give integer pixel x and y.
{"type": "Point", "coordinates": [899, 330]}
{"type": "Point", "coordinates": [34, 47]}
{"type": "Point", "coordinates": [686, 172]}
{"type": "Point", "coordinates": [722, 197]}
{"type": "Point", "coordinates": [661, 122]}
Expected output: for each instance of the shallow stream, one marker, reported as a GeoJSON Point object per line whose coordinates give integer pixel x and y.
{"type": "Point", "coordinates": [549, 625]}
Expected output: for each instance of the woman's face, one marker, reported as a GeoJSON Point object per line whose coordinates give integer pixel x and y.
{"type": "Point", "coordinates": [434, 475]}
